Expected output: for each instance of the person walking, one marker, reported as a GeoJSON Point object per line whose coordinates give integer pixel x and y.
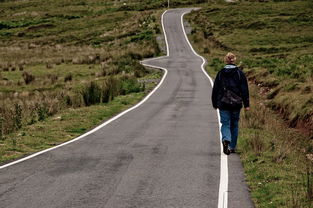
{"type": "Point", "coordinates": [230, 91]}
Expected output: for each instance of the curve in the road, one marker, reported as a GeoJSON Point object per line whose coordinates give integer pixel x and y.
{"type": "Point", "coordinates": [164, 154]}
{"type": "Point", "coordinates": [223, 192]}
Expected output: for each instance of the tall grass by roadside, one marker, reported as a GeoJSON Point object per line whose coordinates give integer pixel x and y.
{"type": "Point", "coordinates": [70, 55]}
{"type": "Point", "coordinates": [275, 158]}
{"type": "Point", "coordinates": [30, 107]}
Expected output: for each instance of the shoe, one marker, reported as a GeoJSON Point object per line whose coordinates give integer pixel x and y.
{"type": "Point", "coordinates": [225, 147]}
{"type": "Point", "coordinates": [232, 150]}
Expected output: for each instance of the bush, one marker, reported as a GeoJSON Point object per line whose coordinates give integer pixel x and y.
{"type": "Point", "coordinates": [130, 85]}
{"type": "Point", "coordinates": [109, 89]}
{"type": "Point", "coordinates": [53, 78]}
{"type": "Point", "coordinates": [1, 128]}
{"type": "Point", "coordinates": [129, 64]}
{"type": "Point", "coordinates": [216, 64]}
{"type": "Point", "coordinates": [68, 77]}
{"type": "Point", "coordinates": [91, 94]}
{"type": "Point", "coordinates": [21, 67]}
{"type": "Point", "coordinates": [17, 116]}
{"type": "Point", "coordinates": [28, 77]}
{"type": "Point", "coordinates": [42, 112]}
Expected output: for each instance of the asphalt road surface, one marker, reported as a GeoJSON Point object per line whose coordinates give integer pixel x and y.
{"type": "Point", "coordinates": [164, 154]}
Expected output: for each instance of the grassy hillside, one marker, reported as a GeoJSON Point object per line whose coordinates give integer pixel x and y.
{"type": "Point", "coordinates": [274, 43]}
{"type": "Point", "coordinates": [67, 65]}
{"type": "Point", "coordinates": [60, 57]}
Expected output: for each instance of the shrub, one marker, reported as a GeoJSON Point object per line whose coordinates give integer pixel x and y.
{"type": "Point", "coordinates": [109, 89]}
{"type": "Point", "coordinates": [53, 78]}
{"type": "Point", "coordinates": [42, 112]}
{"type": "Point", "coordinates": [1, 128]}
{"type": "Point", "coordinates": [68, 100]}
{"type": "Point", "coordinates": [28, 77]}
{"type": "Point", "coordinates": [129, 64]}
{"type": "Point", "coordinates": [13, 68]}
{"type": "Point", "coordinates": [91, 94]}
{"type": "Point", "coordinates": [49, 65]}
{"type": "Point", "coordinates": [32, 115]}
{"type": "Point", "coordinates": [17, 116]}
{"type": "Point", "coordinates": [216, 64]}
{"type": "Point", "coordinates": [21, 67]}
{"type": "Point", "coordinates": [103, 67]}
{"type": "Point", "coordinates": [130, 85]}
{"type": "Point", "coordinates": [68, 77]}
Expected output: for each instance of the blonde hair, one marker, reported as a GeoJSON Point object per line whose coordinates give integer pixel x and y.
{"type": "Point", "coordinates": [230, 58]}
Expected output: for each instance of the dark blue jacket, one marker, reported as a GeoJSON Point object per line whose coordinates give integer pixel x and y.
{"type": "Point", "coordinates": [236, 81]}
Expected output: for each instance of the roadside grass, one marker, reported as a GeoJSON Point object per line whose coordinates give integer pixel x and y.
{"type": "Point", "coordinates": [68, 124]}
{"type": "Point", "coordinates": [49, 79]}
{"type": "Point", "coordinates": [273, 42]}
{"type": "Point", "coordinates": [56, 55]}
{"type": "Point", "coordinates": [62, 127]}
{"type": "Point", "coordinates": [71, 60]}
{"type": "Point", "coordinates": [275, 158]}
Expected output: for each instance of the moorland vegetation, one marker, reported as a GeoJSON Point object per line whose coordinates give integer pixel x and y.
{"type": "Point", "coordinates": [60, 57]}
{"type": "Point", "coordinates": [274, 42]}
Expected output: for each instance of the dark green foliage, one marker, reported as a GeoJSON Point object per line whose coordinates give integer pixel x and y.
{"type": "Point", "coordinates": [1, 128]}
{"type": "Point", "coordinates": [28, 77]}
{"type": "Point", "coordinates": [68, 77]}
{"type": "Point", "coordinates": [98, 41]}
{"type": "Point", "coordinates": [296, 68]}
{"type": "Point", "coordinates": [129, 85]}
{"type": "Point", "coordinates": [53, 78]}
{"type": "Point", "coordinates": [216, 63]}
{"type": "Point", "coordinates": [42, 112]}
{"type": "Point", "coordinates": [145, 35]}
{"type": "Point", "coordinates": [91, 94]}
{"type": "Point", "coordinates": [33, 117]}
{"type": "Point", "coordinates": [22, 23]}
{"type": "Point", "coordinates": [109, 89]}
{"type": "Point", "coordinates": [254, 25]}
{"type": "Point", "coordinates": [269, 50]}
{"type": "Point", "coordinates": [17, 116]}
{"type": "Point", "coordinates": [130, 63]}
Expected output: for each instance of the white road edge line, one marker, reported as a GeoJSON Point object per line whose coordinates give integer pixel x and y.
{"type": "Point", "coordinates": [108, 121]}
{"type": "Point", "coordinates": [223, 188]}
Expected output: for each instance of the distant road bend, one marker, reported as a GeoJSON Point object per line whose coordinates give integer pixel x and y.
{"type": "Point", "coordinates": [164, 153]}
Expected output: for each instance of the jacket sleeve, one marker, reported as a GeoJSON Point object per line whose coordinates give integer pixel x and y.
{"type": "Point", "coordinates": [244, 90]}
{"type": "Point", "coordinates": [215, 91]}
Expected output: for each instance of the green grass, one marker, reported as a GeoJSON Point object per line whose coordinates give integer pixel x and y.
{"type": "Point", "coordinates": [274, 158]}
{"type": "Point", "coordinates": [66, 125]}
{"type": "Point", "coordinates": [62, 127]}
{"type": "Point", "coordinates": [273, 42]}
{"type": "Point", "coordinates": [50, 55]}
{"type": "Point", "coordinates": [60, 56]}
{"type": "Point", "coordinates": [274, 37]}
{"type": "Point", "coordinates": [80, 72]}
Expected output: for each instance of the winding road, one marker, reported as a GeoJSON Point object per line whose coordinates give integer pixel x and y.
{"type": "Point", "coordinates": [162, 153]}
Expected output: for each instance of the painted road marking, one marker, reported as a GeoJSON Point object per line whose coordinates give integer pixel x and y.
{"type": "Point", "coordinates": [223, 188]}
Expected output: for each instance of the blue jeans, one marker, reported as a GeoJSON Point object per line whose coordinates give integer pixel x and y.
{"type": "Point", "coordinates": [229, 130]}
